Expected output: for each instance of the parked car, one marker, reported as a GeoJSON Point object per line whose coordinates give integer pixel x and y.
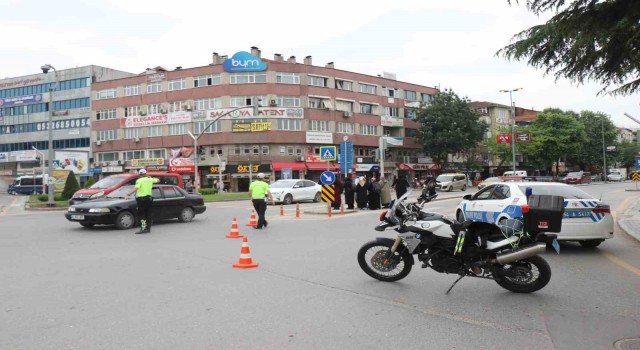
{"type": "Point", "coordinates": [169, 202]}
{"type": "Point", "coordinates": [562, 176]}
{"type": "Point", "coordinates": [26, 185]}
{"type": "Point", "coordinates": [578, 177]}
{"type": "Point", "coordinates": [615, 175]}
{"type": "Point", "coordinates": [586, 219]}
{"type": "Point", "coordinates": [450, 182]}
{"type": "Point", "coordinates": [114, 182]}
{"type": "Point", "coordinates": [488, 181]}
{"type": "Point", "coordinates": [289, 191]}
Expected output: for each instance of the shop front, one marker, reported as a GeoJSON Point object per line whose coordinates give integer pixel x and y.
{"type": "Point", "coordinates": [212, 174]}
{"type": "Point", "coordinates": [314, 169]}
{"type": "Point", "coordinates": [418, 171]}
{"type": "Point", "coordinates": [367, 170]}
{"type": "Point", "coordinates": [289, 170]}
{"type": "Point", "coordinates": [242, 174]}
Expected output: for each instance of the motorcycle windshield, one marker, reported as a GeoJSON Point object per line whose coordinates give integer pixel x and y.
{"type": "Point", "coordinates": [392, 212]}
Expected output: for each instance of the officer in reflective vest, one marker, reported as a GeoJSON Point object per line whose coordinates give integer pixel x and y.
{"type": "Point", "coordinates": [258, 190]}
{"type": "Point", "coordinates": [143, 189]}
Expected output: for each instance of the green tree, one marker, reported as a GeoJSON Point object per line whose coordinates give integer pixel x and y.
{"type": "Point", "coordinates": [554, 134]}
{"type": "Point", "coordinates": [590, 152]}
{"type": "Point", "coordinates": [89, 183]}
{"type": "Point", "coordinates": [626, 153]}
{"type": "Point", "coordinates": [449, 126]}
{"type": "Point", "coordinates": [585, 40]}
{"type": "Point", "coordinates": [70, 187]}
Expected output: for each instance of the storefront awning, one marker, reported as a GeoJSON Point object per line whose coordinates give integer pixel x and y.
{"type": "Point", "coordinates": [323, 166]}
{"type": "Point", "coordinates": [295, 166]}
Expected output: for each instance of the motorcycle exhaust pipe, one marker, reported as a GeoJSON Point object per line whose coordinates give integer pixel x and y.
{"type": "Point", "coordinates": [520, 253]}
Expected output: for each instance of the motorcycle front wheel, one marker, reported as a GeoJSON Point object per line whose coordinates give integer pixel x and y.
{"type": "Point", "coordinates": [531, 274]}
{"type": "Point", "coordinates": [373, 261]}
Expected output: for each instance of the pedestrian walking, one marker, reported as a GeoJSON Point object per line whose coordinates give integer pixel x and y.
{"type": "Point", "coordinates": [259, 190]}
{"type": "Point", "coordinates": [374, 194]}
{"type": "Point", "coordinates": [220, 186]}
{"type": "Point", "coordinates": [144, 199]}
{"type": "Point", "coordinates": [189, 186]}
{"type": "Point", "coordinates": [349, 188]}
{"type": "Point", "coordinates": [385, 192]}
{"type": "Point", "coordinates": [338, 193]}
{"type": "Point", "coordinates": [400, 184]}
{"type": "Point", "coordinates": [361, 193]}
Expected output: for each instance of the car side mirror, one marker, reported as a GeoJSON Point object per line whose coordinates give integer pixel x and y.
{"type": "Point", "coordinates": [467, 197]}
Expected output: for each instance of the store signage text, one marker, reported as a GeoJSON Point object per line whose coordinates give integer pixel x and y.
{"type": "Point", "coordinates": [22, 100]}
{"type": "Point", "coordinates": [147, 161]}
{"type": "Point", "coordinates": [245, 168]}
{"type": "Point", "coordinates": [244, 62]}
{"type": "Point", "coordinates": [182, 169]}
{"type": "Point", "coordinates": [152, 78]}
{"type": "Point", "coordinates": [386, 120]}
{"type": "Point", "coordinates": [156, 119]}
{"type": "Point", "coordinates": [251, 127]}
{"type": "Point", "coordinates": [264, 112]}
{"type": "Point", "coordinates": [21, 82]}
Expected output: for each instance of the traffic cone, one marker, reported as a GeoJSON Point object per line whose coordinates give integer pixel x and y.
{"type": "Point", "coordinates": [253, 221]}
{"type": "Point", "coordinates": [329, 209]}
{"type": "Point", "coordinates": [342, 209]}
{"type": "Point", "coordinates": [281, 210]}
{"type": "Point", "coordinates": [234, 233]}
{"type": "Point", "coordinates": [297, 210]}
{"type": "Point", "coordinates": [245, 261]}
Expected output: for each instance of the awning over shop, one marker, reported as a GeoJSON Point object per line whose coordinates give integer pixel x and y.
{"type": "Point", "coordinates": [418, 167]}
{"type": "Point", "coordinates": [323, 166]}
{"type": "Point", "coordinates": [295, 166]}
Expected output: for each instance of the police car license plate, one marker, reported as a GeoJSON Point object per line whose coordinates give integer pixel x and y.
{"type": "Point", "coordinates": [577, 214]}
{"type": "Point", "coordinates": [77, 217]}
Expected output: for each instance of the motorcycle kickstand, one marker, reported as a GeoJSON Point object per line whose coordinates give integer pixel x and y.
{"type": "Point", "coordinates": [454, 283]}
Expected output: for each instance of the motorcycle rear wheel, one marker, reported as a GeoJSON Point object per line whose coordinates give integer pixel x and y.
{"type": "Point", "coordinates": [371, 258]}
{"type": "Point", "coordinates": [538, 276]}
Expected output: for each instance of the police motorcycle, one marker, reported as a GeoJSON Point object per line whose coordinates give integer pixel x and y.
{"type": "Point", "coordinates": [507, 254]}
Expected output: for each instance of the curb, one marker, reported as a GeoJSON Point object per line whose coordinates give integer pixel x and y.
{"type": "Point", "coordinates": [630, 232]}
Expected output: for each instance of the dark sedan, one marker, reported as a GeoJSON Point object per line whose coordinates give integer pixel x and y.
{"type": "Point", "coordinates": [169, 202]}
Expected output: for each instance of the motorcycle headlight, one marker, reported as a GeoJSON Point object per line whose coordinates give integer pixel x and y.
{"type": "Point", "coordinates": [99, 210]}
{"type": "Point", "coordinates": [97, 195]}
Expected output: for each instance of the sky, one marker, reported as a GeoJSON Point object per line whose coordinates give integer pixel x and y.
{"type": "Point", "coordinates": [436, 43]}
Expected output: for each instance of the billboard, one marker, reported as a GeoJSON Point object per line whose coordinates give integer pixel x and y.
{"type": "Point", "coordinates": [156, 119]}
{"type": "Point", "coordinates": [78, 162]}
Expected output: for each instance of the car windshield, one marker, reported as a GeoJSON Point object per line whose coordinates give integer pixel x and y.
{"type": "Point", "coordinates": [576, 174]}
{"type": "Point", "coordinates": [120, 192]}
{"type": "Point", "coordinates": [568, 192]}
{"type": "Point", "coordinates": [283, 184]}
{"type": "Point", "coordinates": [492, 179]}
{"type": "Point", "coordinates": [444, 178]}
{"type": "Point", "coordinates": [107, 182]}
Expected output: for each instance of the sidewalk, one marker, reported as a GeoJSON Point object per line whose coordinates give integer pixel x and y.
{"type": "Point", "coordinates": [629, 220]}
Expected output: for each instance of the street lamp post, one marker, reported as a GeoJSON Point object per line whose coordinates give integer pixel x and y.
{"type": "Point", "coordinates": [196, 137]}
{"type": "Point", "coordinates": [513, 126]}
{"type": "Point", "coordinates": [604, 155]}
{"type": "Point", "coordinates": [41, 167]}
{"type": "Point", "coordinates": [45, 69]}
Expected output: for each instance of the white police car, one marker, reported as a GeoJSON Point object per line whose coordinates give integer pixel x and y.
{"type": "Point", "coordinates": [586, 219]}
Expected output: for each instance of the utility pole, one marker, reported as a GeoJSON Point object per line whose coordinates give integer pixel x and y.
{"type": "Point", "coordinates": [513, 125]}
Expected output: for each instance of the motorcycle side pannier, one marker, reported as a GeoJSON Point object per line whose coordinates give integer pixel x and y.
{"type": "Point", "coordinates": [545, 213]}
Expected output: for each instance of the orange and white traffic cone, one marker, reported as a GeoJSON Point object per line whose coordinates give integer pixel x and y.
{"type": "Point", "coordinates": [329, 209]}
{"type": "Point", "coordinates": [245, 261]}
{"type": "Point", "coordinates": [234, 233]}
{"type": "Point", "coordinates": [253, 221]}
{"type": "Point", "coordinates": [297, 210]}
{"type": "Point", "coordinates": [281, 210]}
{"type": "Point", "coordinates": [342, 209]}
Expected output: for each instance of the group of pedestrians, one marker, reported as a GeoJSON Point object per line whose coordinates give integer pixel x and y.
{"type": "Point", "coordinates": [369, 193]}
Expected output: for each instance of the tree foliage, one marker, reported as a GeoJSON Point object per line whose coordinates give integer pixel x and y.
{"type": "Point", "coordinates": [554, 134]}
{"type": "Point", "coordinates": [449, 126]}
{"type": "Point", "coordinates": [89, 182]}
{"type": "Point", "coordinates": [625, 154]}
{"type": "Point", "coordinates": [70, 186]}
{"type": "Point", "coordinates": [596, 40]}
{"type": "Point", "coordinates": [590, 150]}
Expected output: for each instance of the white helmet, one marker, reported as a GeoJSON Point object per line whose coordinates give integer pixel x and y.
{"type": "Point", "coordinates": [260, 176]}
{"type": "Point", "coordinates": [142, 172]}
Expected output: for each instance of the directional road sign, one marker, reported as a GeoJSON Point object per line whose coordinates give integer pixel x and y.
{"type": "Point", "coordinates": [328, 152]}
{"type": "Point", "coordinates": [328, 178]}
{"type": "Point", "coordinates": [328, 193]}
{"type": "Point", "coordinates": [635, 176]}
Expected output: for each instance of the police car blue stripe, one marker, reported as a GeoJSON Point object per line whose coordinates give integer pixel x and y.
{"type": "Point", "coordinates": [584, 204]}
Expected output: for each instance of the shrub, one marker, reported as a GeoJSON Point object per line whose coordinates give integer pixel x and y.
{"type": "Point", "coordinates": [58, 197]}
{"type": "Point", "coordinates": [89, 183]}
{"type": "Point", "coordinates": [70, 187]}
{"type": "Point", "coordinates": [43, 197]}
{"type": "Point", "coordinates": [204, 191]}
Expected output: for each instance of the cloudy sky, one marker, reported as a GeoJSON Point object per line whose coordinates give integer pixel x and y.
{"type": "Point", "coordinates": [446, 44]}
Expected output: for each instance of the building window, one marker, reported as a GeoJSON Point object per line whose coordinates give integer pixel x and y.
{"type": "Point", "coordinates": [366, 88]}
{"type": "Point", "coordinates": [367, 108]}
{"type": "Point", "coordinates": [411, 132]}
{"type": "Point", "coordinates": [105, 135]}
{"type": "Point", "coordinates": [242, 101]}
{"type": "Point", "coordinates": [69, 104]}
{"type": "Point", "coordinates": [256, 150]}
{"type": "Point", "coordinates": [177, 129]}
{"type": "Point", "coordinates": [344, 128]}
{"type": "Point", "coordinates": [199, 127]}
{"type": "Point", "coordinates": [129, 155]}
{"type": "Point", "coordinates": [344, 85]}
{"type": "Point", "coordinates": [287, 78]}
{"type": "Point", "coordinates": [131, 111]}
{"type": "Point", "coordinates": [132, 90]}
{"type": "Point", "coordinates": [289, 124]}
{"type": "Point", "coordinates": [207, 80]}
{"type": "Point", "coordinates": [410, 114]}
{"type": "Point", "coordinates": [154, 108]}
{"type": "Point", "coordinates": [391, 92]}
{"type": "Point", "coordinates": [290, 150]}
{"type": "Point", "coordinates": [410, 95]}
{"type": "Point", "coordinates": [154, 130]}
{"type": "Point", "coordinates": [265, 150]}
{"type": "Point", "coordinates": [425, 97]}
{"type": "Point", "coordinates": [131, 133]}
{"type": "Point", "coordinates": [157, 153]}
{"type": "Point", "coordinates": [248, 78]}
{"type": "Point", "coordinates": [105, 94]}
{"type": "Point", "coordinates": [317, 81]}
{"type": "Point", "coordinates": [321, 103]}
{"type": "Point", "coordinates": [108, 157]}
{"type": "Point", "coordinates": [288, 101]}
{"type": "Point", "coordinates": [318, 125]}
{"type": "Point", "coordinates": [203, 104]}
{"type": "Point", "coordinates": [176, 106]}
{"type": "Point", "coordinates": [154, 87]}
{"type": "Point", "coordinates": [366, 129]}
{"type": "Point", "coordinates": [345, 106]}
{"type": "Point", "coordinates": [391, 111]}
{"type": "Point", "coordinates": [106, 114]}
{"type": "Point", "coordinates": [178, 84]}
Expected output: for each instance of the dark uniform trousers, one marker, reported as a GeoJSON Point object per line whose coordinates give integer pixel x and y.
{"type": "Point", "coordinates": [144, 210]}
{"type": "Point", "coordinates": [261, 207]}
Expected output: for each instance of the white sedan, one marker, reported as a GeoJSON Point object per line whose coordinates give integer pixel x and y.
{"type": "Point", "coordinates": [289, 191]}
{"type": "Point", "coordinates": [586, 219]}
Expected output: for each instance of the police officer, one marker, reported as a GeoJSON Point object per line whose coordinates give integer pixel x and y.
{"type": "Point", "coordinates": [258, 190]}
{"type": "Point", "coordinates": [143, 189]}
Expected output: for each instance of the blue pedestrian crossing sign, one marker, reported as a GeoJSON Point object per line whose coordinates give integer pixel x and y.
{"type": "Point", "coordinates": [328, 152]}
{"type": "Point", "coordinates": [327, 178]}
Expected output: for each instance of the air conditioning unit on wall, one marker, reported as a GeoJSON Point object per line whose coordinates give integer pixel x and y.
{"type": "Point", "coordinates": [300, 159]}
{"type": "Point", "coordinates": [347, 114]}
{"type": "Point", "coordinates": [273, 103]}
{"type": "Point", "coordinates": [187, 107]}
{"type": "Point", "coordinates": [98, 143]}
{"type": "Point", "coordinates": [137, 139]}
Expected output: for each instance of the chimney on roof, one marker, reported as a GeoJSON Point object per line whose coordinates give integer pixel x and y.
{"type": "Point", "coordinates": [292, 59]}
{"type": "Point", "coordinates": [330, 65]}
{"type": "Point", "coordinates": [255, 51]}
{"type": "Point", "coordinates": [222, 58]}
{"type": "Point", "coordinates": [178, 67]}
{"type": "Point", "coordinates": [215, 58]}
{"type": "Point", "coordinates": [278, 58]}
{"type": "Point", "coordinates": [307, 60]}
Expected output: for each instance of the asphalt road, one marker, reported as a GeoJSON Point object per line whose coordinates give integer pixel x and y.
{"type": "Point", "coordinates": [66, 287]}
